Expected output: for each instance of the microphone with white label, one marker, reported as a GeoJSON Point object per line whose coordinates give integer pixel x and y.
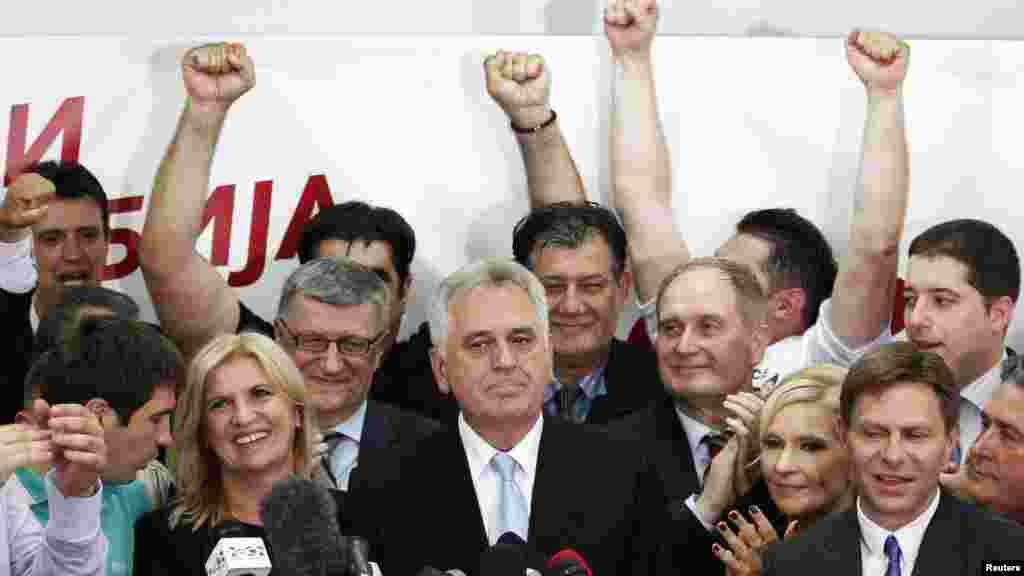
{"type": "Point", "coordinates": [236, 555]}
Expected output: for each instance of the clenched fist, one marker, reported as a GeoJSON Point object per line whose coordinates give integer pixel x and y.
{"type": "Point", "coordinates": [216, 75]}
{"type": "Point", "coordinates": [521, 85]}
{"type": "Point", "coordinates": [630, 26]}
{"type": "Point", "coordinates": [26, 201]}
{"type": "Point", "coordinates": [879, 59]}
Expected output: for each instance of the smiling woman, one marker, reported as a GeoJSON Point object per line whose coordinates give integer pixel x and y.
{"type": "Point", "coordinates": [240, 426]}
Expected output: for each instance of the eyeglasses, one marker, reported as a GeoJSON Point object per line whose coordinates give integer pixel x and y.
{"type": "Point", "coordinates": [348, 345]}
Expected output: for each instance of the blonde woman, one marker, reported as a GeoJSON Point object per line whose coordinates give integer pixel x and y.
{"type": "Point", "coordinates": [803, 461]}
{"type": "Point", "coordinates": [240, 426]}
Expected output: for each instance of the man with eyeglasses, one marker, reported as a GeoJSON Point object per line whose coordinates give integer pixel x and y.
{"type": "Point", "coordinates": [333, 317]}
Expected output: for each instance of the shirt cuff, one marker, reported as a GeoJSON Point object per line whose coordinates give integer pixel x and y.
{"type": "Point", "coordinates": [649, 313]}
{"type": "Point", "coordinates": [837, 351]}
{"type": "Point", "coordinates": [73, 519]}
{"type": "Point", "coordinates": [17, 271]}
{"type": "Point", "coordinates": [691, 503]}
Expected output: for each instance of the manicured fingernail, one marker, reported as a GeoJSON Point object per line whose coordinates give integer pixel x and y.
{"type": "Point", "coordinates": [716, 548]}
{"type": "Point", "coordinates": [734, 515]}
{"type": "Point", "coordinates": [755, 510]}
{"type": "Point", "coordinates": [722, 526]}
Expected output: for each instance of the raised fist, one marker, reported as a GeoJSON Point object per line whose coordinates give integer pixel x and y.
{"type": "Point", "coordinates": [879, 59]}
{"type": "Point", "coordinates": [520, 84]}
{"type": "Point", "coordinates": [26, 201]}
{"type": "Point", "coordinates": [630, 26]}
{"type": "Point", "coordinates": [217, 74]}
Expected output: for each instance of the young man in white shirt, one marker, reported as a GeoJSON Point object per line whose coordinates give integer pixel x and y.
{"type": "Point", "coordinates": [899, 410]}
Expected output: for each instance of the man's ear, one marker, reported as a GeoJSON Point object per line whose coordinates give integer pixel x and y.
{"type": "Point", "coordinates": [101, 409]}
{"type": "Point", "coordinates": [759, 339]}
{"type": "Point", "coordinates": [439, 365]}
{"type": "Point", "coordinates": [788, 304]}
{"type": "Point", "coordinates": [1000, 313]}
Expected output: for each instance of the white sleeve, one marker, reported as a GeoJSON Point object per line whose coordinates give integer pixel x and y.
{"type": "Point", "coordinates": [821, 345]}
{"type": "Point", "coordinates": [17, 268]}
{"type": "Point", "coordinates": [71, 544]}
{"type": "Point", "coordinates": [649, 314]}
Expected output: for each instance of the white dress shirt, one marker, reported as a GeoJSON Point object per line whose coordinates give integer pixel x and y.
{"type": "Point", "coordinates": [973, 399]}
{"type": "Point", "coordinates": [695, 432]}
{"type": "Point", "coordinates": [345, 456]}
{"type": "Point", "coordinates": [874, 562]}
{"type": "Point", "coordinates": [486, 480]}
{"type": "Point", "coordinates": [71, 544]}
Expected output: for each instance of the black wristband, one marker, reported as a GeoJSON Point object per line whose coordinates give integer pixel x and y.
{"type": "Point", "coordinates": [536, 128]}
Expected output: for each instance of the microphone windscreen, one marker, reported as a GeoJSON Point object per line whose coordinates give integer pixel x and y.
{"type": "Point", "coordinates": [301, 521]}
{"type": "Point", "coordinates": [503, 559]}
{"type": "Point", "coordinates": [567, 562]}
{"type": "Point", "coordinates": [512, 539]}
{"type": "Point", "coordinates": [430, 571]}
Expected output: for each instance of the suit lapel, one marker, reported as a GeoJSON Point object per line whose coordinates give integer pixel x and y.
{"type": "Point", "coordinates": [843, 546]}
{"type": "Point", "coordinates": [940, 550]}
{"type": "Point", "coordinates": [626, 392]}
{"type": "Point", "coordinates": [554, 467]}
{"type": "Point", "coordinates": [462, 509]}
{"type": "Point", "coordinates": [680, 473]}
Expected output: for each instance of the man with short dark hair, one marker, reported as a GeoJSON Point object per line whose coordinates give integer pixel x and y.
{"type": "Point", "coordinates": [58, 213]}
{"type": "Point", "coordinates": [76, 302]}
{"type": "Point", "coordinates": [963, 279]}
{"type": "Point", "coordinates": [899, 407]}
{"type": "Point", "coordinates": [578, 250]}
{"type": "Point", "coordinates": [127, 374]}
{"type": "Point", "coordinates": [993, 475]}
{"type": "Point", "coordinates": [579, 253]}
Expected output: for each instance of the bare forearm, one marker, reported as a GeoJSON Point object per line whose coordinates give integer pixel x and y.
{"type": "Point", "coordinates": [642, 178]}
{"type": "Point", "coordinates": [862, 300]}
{"type": "Point", "coordinates": [551, 173]}
{"type": "Point", "coordinates": [175, 215]}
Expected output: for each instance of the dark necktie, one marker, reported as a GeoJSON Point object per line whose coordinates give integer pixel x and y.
{"type": "Point", "coordinates": [715, 443]}
{"type": "Point", "coordinates": [892, 550]}
{"type": "Point", "coordinates": [332, 439]}
{"type": "Point", "coordinates": [566, 401]}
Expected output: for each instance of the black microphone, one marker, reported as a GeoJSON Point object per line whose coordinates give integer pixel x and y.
{"type": "Point", "coordinates": [301, 521]}
{"type": "Point", "coordinates": [431, 571]}
{"type": "Point", "coordinates": [567, 562]}
{"type": "Point", "coordinates": [506, 558]}
{"type": "Point", "coordinates": [359, 557]}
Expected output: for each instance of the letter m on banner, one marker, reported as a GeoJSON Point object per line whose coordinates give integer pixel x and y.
{"type": "Point", "coordinates": [67, 119]}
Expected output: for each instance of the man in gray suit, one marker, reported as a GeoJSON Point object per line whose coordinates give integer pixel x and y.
{"type": "Point", "coordinates": [899, 411]}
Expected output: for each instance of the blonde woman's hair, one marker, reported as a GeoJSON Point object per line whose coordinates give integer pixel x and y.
{"type": "Point", "coordinates": [820, 384]}
{"type": "Point", "coordinates": [198, 470]}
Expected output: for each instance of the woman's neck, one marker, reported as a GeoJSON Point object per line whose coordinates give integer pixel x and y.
{"type": "Point", "coordinates": [243, 494]}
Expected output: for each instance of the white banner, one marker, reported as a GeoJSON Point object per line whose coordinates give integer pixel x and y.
{"type": "Point", "coordinates": [405, 122]}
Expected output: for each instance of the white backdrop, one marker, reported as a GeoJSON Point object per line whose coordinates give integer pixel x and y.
{"type": "Point", "coordinates": [980, 19]}
{"type": "Point", "coordinates": [404, 121]}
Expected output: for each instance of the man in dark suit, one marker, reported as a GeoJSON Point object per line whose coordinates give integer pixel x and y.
{"type": "Point", "coordinates": [58, 212]}
{"type": "Point", "coordinates": [332, 317]}
{"type": "Point", "coordinates": [899, 411]}
{"type": "Point", "coordinates": [711, 335]}
{"type": "Point", "coordinates": [506, 467]}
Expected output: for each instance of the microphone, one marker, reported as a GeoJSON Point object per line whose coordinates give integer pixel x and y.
{"type": "Point", "coordinates": [431, 571]}
{"type": "Point", "coordinates": [506, 558]}
{"type": "Point", "coordinates": [236, 555]}
{"type": "Point", "coordinates": [567, 562]}
{"type": "Point", "coordinates": [301, 520]}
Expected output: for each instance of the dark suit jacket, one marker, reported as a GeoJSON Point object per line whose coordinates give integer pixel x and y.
{"type": "Point", "coordinates": [633, 383]}
{"type": "Point", "coordinates": [161, 551]}
{"type": "Point", "coordinates": [659, 431]}
{"type": "Point", "coordinates": [385, 430]}
{"type": "Point", "coordinates": [16, 341]}
{"type": "Point", "coordinates": [960, 539]}
{"type": "Point", "coordinates": [592, 493]}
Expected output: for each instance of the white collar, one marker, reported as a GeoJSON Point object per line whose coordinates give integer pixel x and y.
{"type": "Point", "coordinates": [695, 429]}
{"type": "Point", "coordinates": [909, 536]}
{"type": "Point", "coordinates": [981, 390]}
{"type": "Point", "coordinates": [479, 452]}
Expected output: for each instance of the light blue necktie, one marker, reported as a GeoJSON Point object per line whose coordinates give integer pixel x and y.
{"type": "Point", "coordinates": [512, 515]}
{"type": "Point", "coordinates": [343, 453]}
{"type": "Point", "coordinates": [892, 550]}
